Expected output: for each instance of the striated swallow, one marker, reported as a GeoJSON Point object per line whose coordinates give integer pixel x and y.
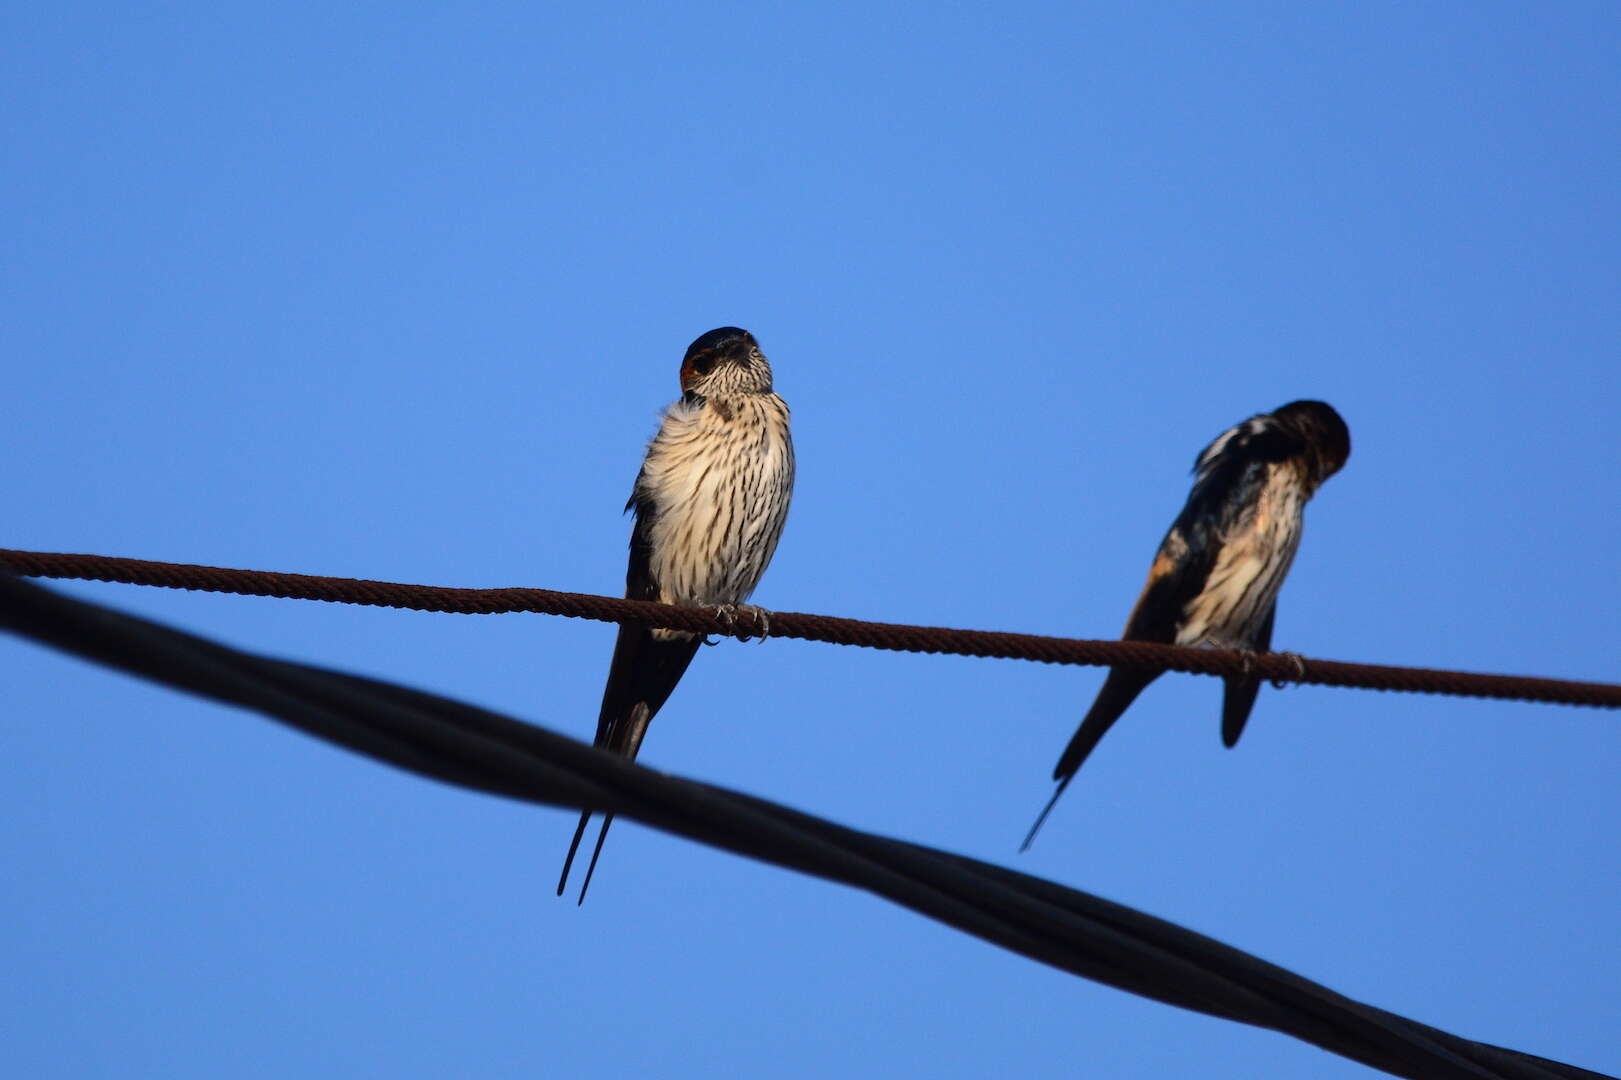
{"type": "Point", "coordinates": [709, 505]}
{"type": "Point", "coordinates": [1215, 579]}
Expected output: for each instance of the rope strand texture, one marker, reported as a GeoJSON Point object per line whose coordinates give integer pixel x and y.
{"type": "Point", "coordinates": [1275, 667]}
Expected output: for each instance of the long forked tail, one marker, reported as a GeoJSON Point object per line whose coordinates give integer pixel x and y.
{"type": "Point", "coordinates": [573, 849]}
{"type": "Point", "coordinates": [574, 846]}
{"type": "Point", "coordinates": [644, 671]}
{"type": "Point", "coordinates": [1120, 689]}
{"type": "Point", "coordinates": [1045, 810]}
{"type": "Point", "coordinates": [596, 853]}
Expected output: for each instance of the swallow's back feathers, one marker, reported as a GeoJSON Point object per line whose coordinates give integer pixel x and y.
{"type": "Point", "coordinates": [1228, 477]}
{"type": "Point", "coordinates": [1216, 575]}
{"type": "Point", "coordinates": [1217, 572]}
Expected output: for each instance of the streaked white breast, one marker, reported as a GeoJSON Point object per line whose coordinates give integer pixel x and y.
{"type": "Point", "coordinates": [721, 475]}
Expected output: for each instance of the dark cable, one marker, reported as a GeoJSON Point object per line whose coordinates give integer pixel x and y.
{"type": "Point", "coordinates": [474, 748]}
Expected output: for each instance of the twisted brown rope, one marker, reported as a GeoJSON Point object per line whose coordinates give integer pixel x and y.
{"type": "Point", "coordinates": [1277, 667]}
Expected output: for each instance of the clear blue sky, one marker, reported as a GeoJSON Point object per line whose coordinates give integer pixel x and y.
{"type": "Point", "coordinates": [397, 291]}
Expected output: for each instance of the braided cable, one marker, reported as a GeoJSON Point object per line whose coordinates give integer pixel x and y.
{"type": "Point", "coordinates": [1275, 667]}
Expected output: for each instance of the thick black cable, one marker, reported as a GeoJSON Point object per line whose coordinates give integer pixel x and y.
{"type": "Point", "coordinates": [482, 750]}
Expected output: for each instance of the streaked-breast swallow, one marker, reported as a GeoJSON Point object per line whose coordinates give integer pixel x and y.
{"type": "Point", "coordinates": [709, 506]}
{"type": "Point", "coordinates": [1214, 581]}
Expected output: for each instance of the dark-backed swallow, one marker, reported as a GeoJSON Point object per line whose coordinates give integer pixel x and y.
{"type": "Point", "coordinates": [710, 502]}
{"type": "Point", "coordinates": [1214, 581]}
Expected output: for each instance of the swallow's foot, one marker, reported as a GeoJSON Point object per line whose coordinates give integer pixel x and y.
{"type": "Point", "coordinates": [728, 614]}
{"type": "Point", "coordinates": [1246, 657]}
{"type": "Point", "coordinates": [1299, 664]}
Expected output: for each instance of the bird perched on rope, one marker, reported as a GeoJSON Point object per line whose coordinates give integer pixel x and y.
{"type": "Point", "coordinates": [710, 503]}
{"type": "Point", "coordinates": [1215, 579]}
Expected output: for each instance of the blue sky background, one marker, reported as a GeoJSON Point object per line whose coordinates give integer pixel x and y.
{"type": "Point", "coordinates": [397, 291]}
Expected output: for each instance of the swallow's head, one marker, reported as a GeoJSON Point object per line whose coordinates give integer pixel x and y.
{"type": "Point", "coordinates": [1327, 439]}
{"type": "Point", "coordinates": [725, 361]}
